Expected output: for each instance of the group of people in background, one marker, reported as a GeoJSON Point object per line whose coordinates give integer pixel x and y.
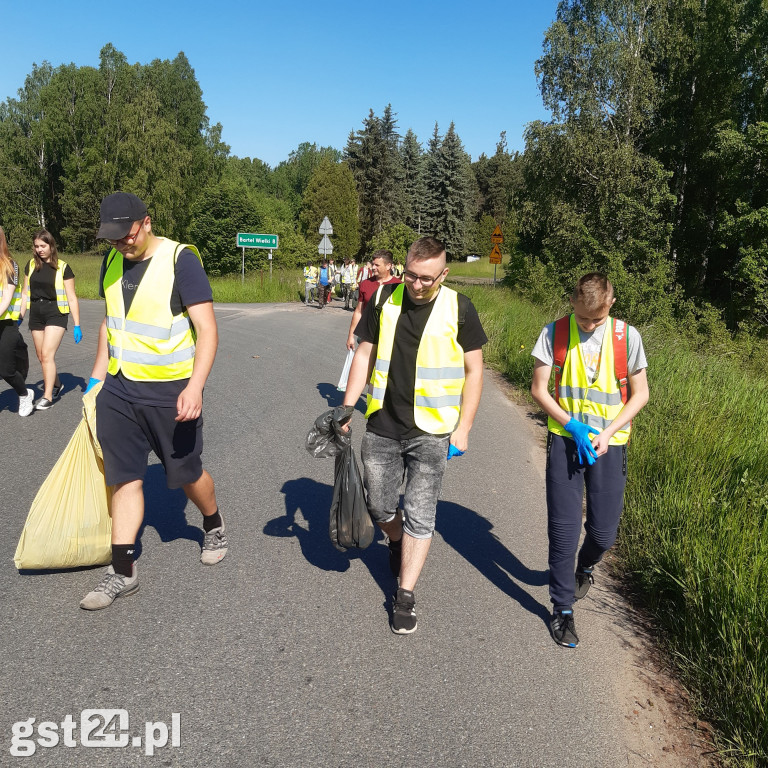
{"type": "Point", "coordinates": [321, 282]}
{"type": "Point", "coordinates": [46, 289]}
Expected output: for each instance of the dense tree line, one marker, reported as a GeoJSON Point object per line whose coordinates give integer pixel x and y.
{"type": "Point", "coordinates": [653, 168]}
{"type": "Point", "coordinates": [655, 165]}
{"type": "Point", "coordinates": [74, 134]}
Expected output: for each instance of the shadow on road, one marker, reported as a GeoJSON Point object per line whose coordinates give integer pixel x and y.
{"type": "Point", "coordinates": [470, 535]}
{"type": "Point", "coordinates": [9, 400]}
{"type": "Point", "coordinates": [313, 501]}
{"type": "Point", "coordinates": [333, 397]}
{"type": "Point", "coordinates": [164, 510]}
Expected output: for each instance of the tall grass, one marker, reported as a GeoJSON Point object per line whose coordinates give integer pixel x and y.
{"type": "Point", "coordinates": [258, 288]}
{"type": "Point", "coordinates": [694, 534]}
{"type": "Point", "coordinates": [481, 268]}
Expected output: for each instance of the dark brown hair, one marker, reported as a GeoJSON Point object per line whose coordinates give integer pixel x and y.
{"type": "Point", "coordinates": [384, 255]}
{"type": "Point", "coordinates": [426, 248]}
{"type": "Point", "coordinates": [46, 237]}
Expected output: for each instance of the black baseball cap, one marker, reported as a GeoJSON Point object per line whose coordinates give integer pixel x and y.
{"type": "Point", "coordinates": [118, 212]}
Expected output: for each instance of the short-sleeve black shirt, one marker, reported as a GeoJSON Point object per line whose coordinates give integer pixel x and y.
{"type": "Point", "coordinates": [42, 282]}
{"type": "Point", "coordinates": [190, 286]}
{"type": "Point", "coordinates": [396, 420]}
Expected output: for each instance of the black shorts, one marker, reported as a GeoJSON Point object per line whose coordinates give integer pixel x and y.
{"type": "Point", "coordinates": [43, 313]}
{"type": "Point", "coordinates": [127, 433]}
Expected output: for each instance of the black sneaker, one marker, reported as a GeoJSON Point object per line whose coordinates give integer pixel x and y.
{"type": "Point", "coordinates": [395, 556]}
{"type": "Point", "coordinates": [43, 404]}
{"type": "Point", "coordinates": [57, 391]}
{"type": "Point", "coordinates": [563, 629]}
{"type": "Point", "coordinates": [584, 580]}
{"type": "Point", "coordinates": [404, 613]}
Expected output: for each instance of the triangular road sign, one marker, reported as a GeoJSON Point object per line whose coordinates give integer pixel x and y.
{"type": "Point", "coordinates": [325, 227]}
{"type": "Point", "coordinates": [497, 237]}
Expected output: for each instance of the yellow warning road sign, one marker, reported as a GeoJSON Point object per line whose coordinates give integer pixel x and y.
{"type": "Point", "coordinates": [495, 255]}
{"type": "Point", "coordinates": [497, 237]}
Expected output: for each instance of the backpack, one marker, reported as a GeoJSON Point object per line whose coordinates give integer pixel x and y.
{"type": "Point", "coordinates": [620, 352]}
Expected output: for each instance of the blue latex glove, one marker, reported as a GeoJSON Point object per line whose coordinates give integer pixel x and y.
{"type": "Point", "coordinates": [78, 334]}
{"type": "Point", "coordinates": [91, 384]}
{"type": "Point", "coordinates": [20, 321]}
{"type": "Point", "coordinates": [581, 436]}
{"type": "Point", "coordinates": [453, 451]}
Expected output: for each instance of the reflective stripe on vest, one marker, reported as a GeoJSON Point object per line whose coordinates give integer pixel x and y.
{"type": "Point", "coordinates": [150, 344]}
{"type": "Point", "coordinates": [14, 308]}
{"type": "Point", "coordinates": [439, 363]}
{"type": "Point", "coordinates": [596, 404]}
{"type": "Point", "coordinates": [61, 294]}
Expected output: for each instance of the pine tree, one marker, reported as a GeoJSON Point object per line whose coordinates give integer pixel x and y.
{"type": "Point", "coordinates": [412, 160]}
{"type": "Point", "coordinates": [450, 186]}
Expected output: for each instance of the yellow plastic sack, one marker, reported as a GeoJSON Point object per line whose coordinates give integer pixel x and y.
{"type": "Point", "coordinates": [68, 524]}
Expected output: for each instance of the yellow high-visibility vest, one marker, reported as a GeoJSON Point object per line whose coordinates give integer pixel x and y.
{"type": "Point", "coordinates": [439, 363]}
{"type": "Point", "coordinates": [14, 308]}
{"type": "Point", "coordinates": [150, 343]}
{"type": "Point", "coordinates": [61, 293]}
{"type": "Point", "coordinates": [596, 404]}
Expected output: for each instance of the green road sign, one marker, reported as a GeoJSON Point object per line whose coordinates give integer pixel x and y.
{"type": "Point", "coordinates": [247, 240]}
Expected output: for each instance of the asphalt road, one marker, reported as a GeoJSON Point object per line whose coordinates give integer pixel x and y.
{"type": "Point", "coordinates": [282, 654]}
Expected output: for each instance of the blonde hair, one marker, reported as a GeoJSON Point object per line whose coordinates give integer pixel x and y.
{"type": "Point", "coordinates": [6, 263]}
{"type": "Point", "coordinates": [594, 291]}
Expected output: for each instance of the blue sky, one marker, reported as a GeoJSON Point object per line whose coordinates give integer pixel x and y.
{"type": "Point", "coordinates": [277, 74]}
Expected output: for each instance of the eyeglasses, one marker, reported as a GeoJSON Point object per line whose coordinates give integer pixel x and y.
{"type": "Point", "coordinates": [425, 281]}
{"type": "Point", "coordinates": [131, 236]}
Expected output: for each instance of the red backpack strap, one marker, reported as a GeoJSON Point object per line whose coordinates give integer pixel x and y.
{"type": "Point", "coordinates": [560, 349]}
{"type": "Point", "coordinates": [620, 354]}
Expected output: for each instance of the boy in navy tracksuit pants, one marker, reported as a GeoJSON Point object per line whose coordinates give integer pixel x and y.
{"type": "Point", "coordinates": [589, 425]}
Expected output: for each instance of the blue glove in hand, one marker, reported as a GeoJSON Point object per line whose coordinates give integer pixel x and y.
{"type": "Point", "coordinates": [581, 436]}
{"type": "Point", "coordinates": [20, 321]}
{"type": "Point", "coordinates": [78, 334]}
{"type": "Point", "coordinates": [91, 384]}
{"type": "Point", "coordinates": [453, 451]}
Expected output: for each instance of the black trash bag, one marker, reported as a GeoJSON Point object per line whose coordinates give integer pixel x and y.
{"type": "Point", "coordinates": [350, 524]}
{"type": "Point", "coordinates": [326, 438]}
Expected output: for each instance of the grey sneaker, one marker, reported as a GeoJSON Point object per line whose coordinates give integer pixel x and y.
{"type": "Point", "coordinates": [57, 391]}
{"type": "Point", "coordinates": [43, 404]}
{"type": "Point", "coordinates": [214, 546]}
{"type": "Point", "coordinates": [111, 586]}
{"type": "Point", "coordinates": [26, 404]}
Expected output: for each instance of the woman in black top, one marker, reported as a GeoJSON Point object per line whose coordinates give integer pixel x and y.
{"type": "Point", "coordinates": [49, 287]}
{"type": "Point", "coordinates": [14, 359]}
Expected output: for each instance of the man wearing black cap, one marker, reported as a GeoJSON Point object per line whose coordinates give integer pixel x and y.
{"type": "Point", "coordinates": [156, 348]}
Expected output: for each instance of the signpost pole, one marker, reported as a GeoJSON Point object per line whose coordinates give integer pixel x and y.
{"type": "Point", "coordinates": [242, 277]}
{"type": "Point", "coordinates": [270, 263]}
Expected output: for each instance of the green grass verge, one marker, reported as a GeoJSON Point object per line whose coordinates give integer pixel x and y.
{"type": "Point", "coordinates": [694, 534]}
{"type": "Point", "coordinates": [257, 288]}
{"type": "Point", "coordinates": [482, 268]}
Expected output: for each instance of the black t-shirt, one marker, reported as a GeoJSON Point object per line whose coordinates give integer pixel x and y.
{"type": "Point", "coordinates": [42, 282]}
{"type": "Point", "coordinates": [395, 420]}
{"type": "Point", "coordinates": [190, 286]}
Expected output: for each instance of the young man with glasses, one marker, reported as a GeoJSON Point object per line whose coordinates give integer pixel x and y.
{"type": "Point", "coordinates": [421, 349]}
{"type": "Point", "coordinates": [156, 348]}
